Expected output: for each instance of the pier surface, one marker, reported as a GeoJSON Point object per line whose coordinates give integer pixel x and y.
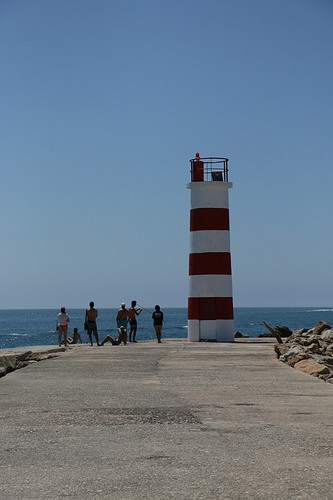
{"type": "Point", "coordinates": [159, 421]}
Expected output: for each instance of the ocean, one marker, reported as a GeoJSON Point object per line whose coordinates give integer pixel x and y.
{"type": "Point", "coordinates": [30, 327]}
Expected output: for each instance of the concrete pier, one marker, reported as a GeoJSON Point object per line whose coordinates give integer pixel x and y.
{"type": "Point", "coordinates": [158, 421]}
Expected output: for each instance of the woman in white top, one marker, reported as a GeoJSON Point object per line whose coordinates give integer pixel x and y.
{"type": "Point", "coordinates": [63, 320]}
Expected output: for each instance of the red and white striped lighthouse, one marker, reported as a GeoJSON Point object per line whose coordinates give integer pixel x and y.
{"type": "Point", "coordinates": [210, 305]}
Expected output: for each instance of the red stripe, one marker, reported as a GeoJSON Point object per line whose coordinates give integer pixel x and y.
{"type": "Point", "coordinates": [210, 308]}
{"type": "Point", "coordinates": [202, 219]}
{"type": "Point", "coordinates": [209, 263]}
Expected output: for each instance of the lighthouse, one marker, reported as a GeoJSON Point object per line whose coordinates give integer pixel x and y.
{"type": "Point", "coordinates": [210, 303]}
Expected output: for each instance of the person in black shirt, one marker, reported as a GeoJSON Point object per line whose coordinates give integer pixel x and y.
{"type": "Point", "coordinates": [158, 321]}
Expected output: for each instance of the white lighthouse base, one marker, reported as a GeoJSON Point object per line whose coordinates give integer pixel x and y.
{"type": "Point", "coordinates": [219, 330]}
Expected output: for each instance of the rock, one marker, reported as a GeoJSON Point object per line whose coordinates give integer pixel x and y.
{"type": "Point", "coordinates": [309, 350]}
{"type": "Point", "coordinates": [292, 360]}
{"type": "Point", "coordinates": [320, 327]}
{"type": "Point", "coordinates": [307, 341]}
{"type": "Point", "coordinates": [327, 336]}
{"type": "Point", "coordinates": [314, 348]}
{"type": "Point", "coordinates": [273, 332]}
{"type": "Point", "coordinates": [294, 351]}
{"type": "Point", "coordinates": [311, 367]}
{"type": "Point", "coordinates": [327, 360]}
{"type": "Point", "coordinates": [20, 360]}
{"type": "Point", "coordinates": [299, 332]}
{"type": "Point", "coordinates": [283, 331]}
{"type": "Point", "coordinates": [8, 363]}
{"type": "Point", "coordinates": [239, 335]}
{"type": "Point", "coordinates": [281, 349]}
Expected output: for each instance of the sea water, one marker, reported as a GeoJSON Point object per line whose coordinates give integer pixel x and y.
{"type": "Point", "coordinates": [30, 327]}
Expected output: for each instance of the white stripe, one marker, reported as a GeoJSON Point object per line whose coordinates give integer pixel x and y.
{"type": "Point", "coordinates": [210, 196]}
{"type": "Point", "coordinates": [193, 330]}
{"type": "Point", "coordinates": [210, 285]}
{"type": "Point", "coordinates": [209, 241]}
{"type": "Point", "coordinates": [221, 330]}
{"type": "Point", "coordinates": [225, 330]}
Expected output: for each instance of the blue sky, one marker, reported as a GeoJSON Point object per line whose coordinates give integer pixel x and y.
{"type": "Point", "coordinates": [103, 103]}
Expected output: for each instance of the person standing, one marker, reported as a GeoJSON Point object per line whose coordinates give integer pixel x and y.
{"type": "Point", "coordinates": [63, 320]}
{"type": "Point", "coordinates": [91, 316]}
{"type": "Point", "coordinates": [132, 312]}
{"type": "Point", "coordinates": [122, 316]}
{"type": "Point", "coordinates": [158, 321]}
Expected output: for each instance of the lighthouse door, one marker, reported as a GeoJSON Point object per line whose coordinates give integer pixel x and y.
{"type": "Point", "coordinates": [207, 323]}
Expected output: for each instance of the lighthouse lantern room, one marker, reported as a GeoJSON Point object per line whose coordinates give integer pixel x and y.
{"type": "Point", "coordinates": [210, 303]}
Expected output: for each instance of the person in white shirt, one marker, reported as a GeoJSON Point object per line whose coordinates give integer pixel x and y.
{"type": "Point", "coordinates": [63, 320]}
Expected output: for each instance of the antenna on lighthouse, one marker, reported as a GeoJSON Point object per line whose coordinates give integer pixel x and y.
{"type": "Point", "coordinates": [210, 302]}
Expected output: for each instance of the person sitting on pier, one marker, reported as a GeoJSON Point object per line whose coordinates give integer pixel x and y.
{"type": "Point", "coordinates": [122, 337]}
{"type": "Point", "coordinates": [74, 339]}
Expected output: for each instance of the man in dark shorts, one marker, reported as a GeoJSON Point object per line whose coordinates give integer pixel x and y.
{"type": "Point", "coordinates": [122, 316]}
{"type": "Point", "coordinates": [91, 315]}
{"type": "Point", "coordinates": [132, 312]}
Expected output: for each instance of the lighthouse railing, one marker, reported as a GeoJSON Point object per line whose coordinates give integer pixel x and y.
{"type": "Point", "coordinates": [209, 169]}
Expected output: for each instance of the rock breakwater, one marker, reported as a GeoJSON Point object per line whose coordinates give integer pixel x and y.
{"type": "Point", "coordinates": [15, 361]}
{"type": "Point", "coordinates": [309, 350]}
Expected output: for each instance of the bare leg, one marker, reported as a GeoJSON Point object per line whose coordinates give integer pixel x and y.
{"type": "Point", "coordinates": [65, 334]}
{"type": "Point", "coordinates": [106, 339]}
{"type": "Point", "coordinates": [158, 330]}
{"type": "Point", "coordinates": [62, 330]}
